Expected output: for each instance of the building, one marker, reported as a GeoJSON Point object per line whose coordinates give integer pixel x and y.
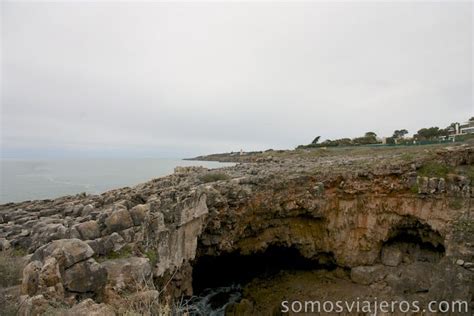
{"type": "Point", "coordinates": [457, 129]}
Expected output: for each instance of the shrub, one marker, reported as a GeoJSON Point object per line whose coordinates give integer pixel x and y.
{"type": "Point", "coordinates": [125, 252]}
{"type": "Point", "coordinates": [11, 267]}
{"type": "Point", "coordinates": [152, 256]}
{"type": "Point", "coordinates": [147, 299]}
{"type": "Point", "coordinates": [434, 169]}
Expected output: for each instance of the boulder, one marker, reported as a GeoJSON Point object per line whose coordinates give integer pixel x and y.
{"type": "Point", "coordinates": [422, 183]}
{"type": "Point", "coordinates": [85, 276]}
{"type": "Point", "coordinates": [127, 272]}
{"type": "Point", "coordinates": [90, 308]}
{"type": "Point", "coordinates": [451, 282]}
{"type": "Point", "coordinates": [391, 255]}
{"type": "Point", "coordinates": [114, 242]}
{"type": "Point", "coordinates": [433, 184]}
{"type": "Point", "coordinates": [88, 230]}
{"type": "Point", "coordinates": [412, 278]}
{"type": "Point", "coordinates": [88, 209]}
{"type": "Point", "coordinates": [4, 244]}
{"type": "Point", "coordinates": [72, 251]}
{"type": "Point", "coordinates": [35, 305]}
{"type": "Point", "coordinates": [139, 213]}
{"type": "Point", "coordinates": [50, 274]}
{"type": "Point", "coordinates": [30, 281]}
{"type": "Point", "coordinates": [102, 246]}
{"type": "Point", "coordinates": [368, 274]}
{"type": "Point", "coordinates": [120, 219]}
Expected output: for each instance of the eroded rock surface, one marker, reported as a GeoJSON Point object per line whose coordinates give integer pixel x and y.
{"type": "Point", "coordinates": [381, 217]}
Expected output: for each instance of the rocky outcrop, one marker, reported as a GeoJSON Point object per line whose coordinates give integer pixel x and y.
{"type": "Point", "coordinates": [89, 308]}
{"type": "Point", "coordinates": [62, 271]}
{"type": "Point", "coordinates": [381, 217]}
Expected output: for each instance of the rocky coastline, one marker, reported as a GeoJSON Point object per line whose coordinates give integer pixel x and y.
{"type": "Point", "coordinates": [394, 223]}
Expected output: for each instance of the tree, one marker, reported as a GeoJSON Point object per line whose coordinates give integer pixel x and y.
{"type": "Point", "coordinates": [370, 134]}
{"type": "Point", "coordinates": [399, 133]}
{"type": "Point", "coordinates": [316, 140]}
{"type": "Point", "coordinates": [471, 119]}
{"type": "Point", "coordinates": [430, 133]}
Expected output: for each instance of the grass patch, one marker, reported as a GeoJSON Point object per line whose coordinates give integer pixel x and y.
{"type": "Point", "coordinates": [11, 267]}
{"type": "Point", "coordinates": [456, 203]}
{"type": "Point", "coordinates": [434, 169]}
{"type": "Point", "coordinates": [125, 252]}
{"type": "Point", "coordinates": [464, 226]}
{"type": "Point", "coordinates": [213, 176]}
{"type": "Point", "coordinates": [407, 156]}
{"type": "Point", "coordinates": [414, 189]}
{"type": "Point", "coordinates": [19, 252]}
{"type": "Point", "coordinates": [152, 255]}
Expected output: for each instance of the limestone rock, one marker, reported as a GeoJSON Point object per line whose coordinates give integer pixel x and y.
{"type": "Point", "coordinates": [88, 230]}
{"type": "Point", "coordinates": [120, 219]}
{"type": "Point", "coordinates": [73, 250]}
{"type": "Point", "coordinates": [87, 210]}
{"type": "Point", "coordinates": [391, 255]}
{"type": "Point", "coordinates": [412, 278]}
{"type": "Point", "coordinates": [127, 272]}
{"type": "Point", "coordinates": [85, 276]}
{"type": "Point", "coordinates": [368, 274]}
{"type": "Point", "coordinates": [30, 280]}
{"type": "Point", "coordinates": [50, 274]}
{"type": "Point", "coordinates": [4, 244]}
{"type": "Point", "coordinates": [139, 213]}
{"type": "Point", "coordinates": [89, 308]}
{"type": "Point", "coordinates": [35, 305]}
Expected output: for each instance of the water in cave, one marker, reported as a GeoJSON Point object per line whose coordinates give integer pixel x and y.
{"type": "Point", "coordinates": [217, 280]}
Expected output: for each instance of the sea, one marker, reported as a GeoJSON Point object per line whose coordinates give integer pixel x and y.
{"type": "Point", "coordinates": [22, 180]}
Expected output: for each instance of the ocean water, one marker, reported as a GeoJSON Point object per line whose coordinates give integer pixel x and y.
{"type": "Point", "coordinates": [22, 180]}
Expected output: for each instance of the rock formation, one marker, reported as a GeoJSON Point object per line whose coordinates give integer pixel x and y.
{"type": "Point", "coordinates": [374, 219]}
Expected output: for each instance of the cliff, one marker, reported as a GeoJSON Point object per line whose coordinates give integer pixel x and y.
{"type": "Point", "coordinates": [389, 221]}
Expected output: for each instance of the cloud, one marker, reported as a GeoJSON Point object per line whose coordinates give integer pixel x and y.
{"type": "Point", "coordinates": [190, 78]}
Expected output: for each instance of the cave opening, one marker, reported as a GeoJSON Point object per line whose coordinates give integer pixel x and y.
{"type": "Point", "coordinates": [237, 269]}
{"type": "Point", "coordinates": [413, 241]}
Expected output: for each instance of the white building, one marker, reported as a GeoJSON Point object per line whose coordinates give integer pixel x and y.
{"type": "Point", "coordinates": [461, 129]}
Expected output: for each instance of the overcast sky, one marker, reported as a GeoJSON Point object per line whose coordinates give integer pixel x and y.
{"type": "Point", "coordinates": [181, 79]}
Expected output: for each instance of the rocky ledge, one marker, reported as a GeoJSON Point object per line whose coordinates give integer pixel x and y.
{"type": "Point", "coordinates": [389, 222]}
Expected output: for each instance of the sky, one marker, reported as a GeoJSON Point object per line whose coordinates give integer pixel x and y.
{"type": "Point", "coordinates": [159, 79]}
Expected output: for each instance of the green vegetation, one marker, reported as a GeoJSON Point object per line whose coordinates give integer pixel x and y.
{"type": "Point", "coordinates": [464, 226]}
{"type": "Point", "coordinates": [456, 203]}
{"type": "Point", "coordinates": [414, 189]}
{"type": "Point", "coordinates": [316, 140]}
{"type": "Point", "coordinates": [430, 133]}
{"type": "Point", "coordinates": [11, 267]}
{"type": "Point", "coordinates": [125, 252]}
{"type": "Point", "coordinates": [213, 176]}
{"type": "Point", "coordinates": [18, 252]}
{"type": "Point", "coordinates": [434, 169]}
{"type": "Point", "coordinates": [399, 133]}
{"type": "Point", "coordinates": [152, 255]}
{"type": "Point", "coordinates": [465, 137]}
{"type": "Point", "coordinates": [407, 157]}
{"type": "Point", "coordinates": [423, 136]}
